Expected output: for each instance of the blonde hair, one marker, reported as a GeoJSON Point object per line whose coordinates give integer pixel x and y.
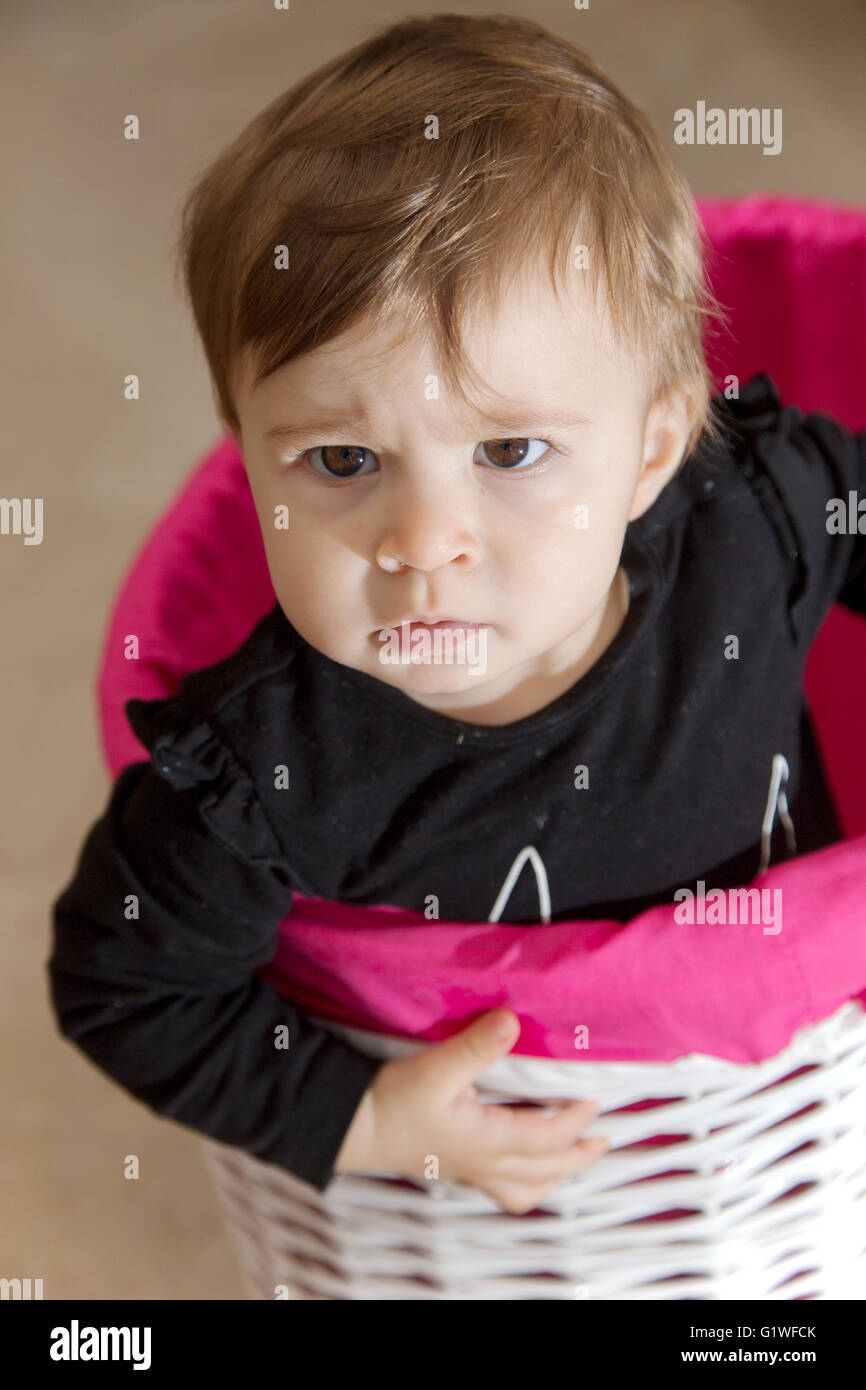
{"type": "Point", "coordinates": [536, 149]}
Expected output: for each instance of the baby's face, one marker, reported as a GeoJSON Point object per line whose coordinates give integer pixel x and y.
{"type": "Point", "coordinates": [405, 505]}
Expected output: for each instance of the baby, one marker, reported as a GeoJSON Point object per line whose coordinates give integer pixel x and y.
{"type": "Point", "coordinates": [535, 586]}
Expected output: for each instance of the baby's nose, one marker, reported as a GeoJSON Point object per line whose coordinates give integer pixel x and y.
{"type": "Point", "coordinates": [426, 537]}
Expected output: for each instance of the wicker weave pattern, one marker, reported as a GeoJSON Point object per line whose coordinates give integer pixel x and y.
{"type": "Point", "coordinates": [733, 1181]}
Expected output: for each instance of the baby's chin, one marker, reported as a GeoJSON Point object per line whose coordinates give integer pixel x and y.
{"type": "Point", "coordinates": [429, 679]}
{"type": "Point", "coordinates": [430, 676]}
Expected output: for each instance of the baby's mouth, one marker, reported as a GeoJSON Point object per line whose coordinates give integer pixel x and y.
{"type": "Point", "coordinates": [431, 621]}
{"type": "Point", "coordinates": [407, 628]}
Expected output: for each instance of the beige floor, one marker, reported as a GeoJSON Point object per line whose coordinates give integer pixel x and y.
{"type": "Point", "coordinates": [88, 293]}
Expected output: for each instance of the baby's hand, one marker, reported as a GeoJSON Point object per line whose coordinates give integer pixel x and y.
{"type": "Point", "coordinates": [427, 1106]}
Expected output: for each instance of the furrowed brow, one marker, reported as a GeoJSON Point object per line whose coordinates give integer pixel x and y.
{"type": "Point", "coordinates": [510, 421]}
{"type": "Point", "coordinates": [534, 419]}
{"type": "Point", "coordinates": [305, 429]}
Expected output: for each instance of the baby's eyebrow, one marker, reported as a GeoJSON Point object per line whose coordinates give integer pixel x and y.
{"type": "Point", "coordinates": [305, 428]}
{"type": "Point", "coordinates": [527, 418]}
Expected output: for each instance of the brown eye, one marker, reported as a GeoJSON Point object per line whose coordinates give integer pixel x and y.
{"type": "Point", "coordinates": [341, 460]}
{"type": "Point", "coordinates": [511, 453]}
{"type": "Point", "coordinates": [505, 453]}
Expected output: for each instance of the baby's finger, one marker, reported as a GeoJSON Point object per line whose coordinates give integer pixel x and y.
{"type": "Point", "coordinates": [551, 1167]}
{"type": "Point", "coordinates": [531, 1132]}
{"type": "Point", "coordinates": [519, 1196]}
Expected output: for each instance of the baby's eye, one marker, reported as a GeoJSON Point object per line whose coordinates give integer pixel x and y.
{"type": "Point", "coordinates": [512, 453]}
{"type": "Point", "coordinates": [341, 460]}
{"type": "Point", "coordinates": [353, 460]}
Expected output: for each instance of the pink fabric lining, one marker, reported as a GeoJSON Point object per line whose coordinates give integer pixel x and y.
{"type": "Point", "coordinates": [649, 990]}
{"type": "Point", "coordinates": [793, 273]}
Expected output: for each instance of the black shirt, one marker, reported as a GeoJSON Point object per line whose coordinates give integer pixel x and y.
{"type": "Point", "coordinates": [181, 884]}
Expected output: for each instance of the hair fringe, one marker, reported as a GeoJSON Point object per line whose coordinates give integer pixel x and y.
{"type": "Point", "coordinates": [536, 144]}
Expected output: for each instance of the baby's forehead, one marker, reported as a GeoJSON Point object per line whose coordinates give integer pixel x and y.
{"type": "Point", "coordinates": [524, 326]}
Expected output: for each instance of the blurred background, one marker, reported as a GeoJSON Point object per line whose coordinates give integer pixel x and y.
{"type": "Point", "coordinates": [89, 294]}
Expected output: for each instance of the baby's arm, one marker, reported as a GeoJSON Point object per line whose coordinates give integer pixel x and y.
{"type": "Point", "coordinates": [156, 939]}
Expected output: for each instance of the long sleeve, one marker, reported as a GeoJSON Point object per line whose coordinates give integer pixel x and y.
{"type": "Point", "coordinates": [155, 942]}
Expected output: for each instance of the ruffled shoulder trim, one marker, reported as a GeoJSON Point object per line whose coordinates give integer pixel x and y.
{"type": "Point", "coordinates": [187, 751]}
{"type": "Point", "coordinates": [758, 403]}
{"type": "Point", "coordinates": [764, 424]}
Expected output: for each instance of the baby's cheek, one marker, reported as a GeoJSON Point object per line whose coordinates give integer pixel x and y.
{"type": "Point", "coordinates": [579, 527]}
{"type": "Point", "coordinates": [567, 561]}
{"type": "Point", "coordinates": [319, 583]}
{"type": "Point", "coordinates": [294, 569]}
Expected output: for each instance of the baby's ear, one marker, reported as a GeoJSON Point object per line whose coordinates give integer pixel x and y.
{"type": "Point", "coordinates": [668, 424]}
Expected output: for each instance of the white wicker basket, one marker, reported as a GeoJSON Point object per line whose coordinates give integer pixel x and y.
{"type": "Point", "coordinates": [767, 1200]}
